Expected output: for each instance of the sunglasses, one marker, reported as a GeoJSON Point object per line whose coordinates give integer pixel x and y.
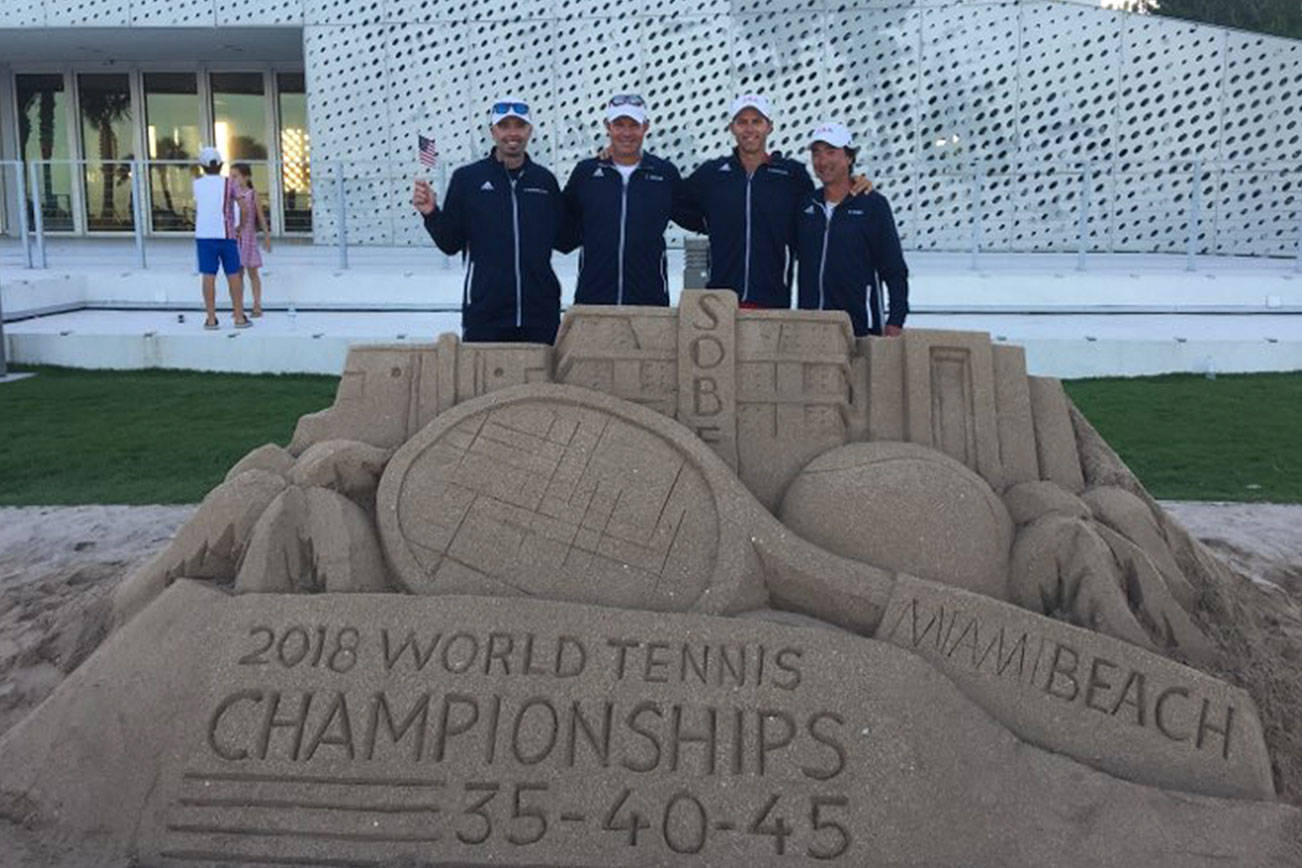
{"type": "Point", "coordinates": [627, 99]}
{"type": "Point", "coordinates": [502, 108]}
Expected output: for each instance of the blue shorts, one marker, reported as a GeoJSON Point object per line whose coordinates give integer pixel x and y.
{"type": "Point", "coordinates": [214, 250]}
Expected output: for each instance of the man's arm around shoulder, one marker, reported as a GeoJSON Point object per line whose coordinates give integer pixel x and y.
{"type": "Point", "coordinates": [687, 210]}
{"type": "Point", "coordinates": [569, 214]}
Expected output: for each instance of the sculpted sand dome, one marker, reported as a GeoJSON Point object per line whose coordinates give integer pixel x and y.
{"type": "Point", "coordinates": [907, 508]}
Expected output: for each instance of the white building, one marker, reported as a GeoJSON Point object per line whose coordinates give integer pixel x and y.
{"type": "Point", "coordinates": [1022, 126]}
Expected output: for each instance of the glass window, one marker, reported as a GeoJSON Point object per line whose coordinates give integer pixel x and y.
{"type": "Point", "coordinates": [108, 145]}
{"type": "Point", "coordinates": [42, 137]}
{"type": "Point", "coordinates": [172, 140]}
{"type": "Point", "coordinates": [296, 173]}
{"type": "Point", "coordinates": [239, 114]}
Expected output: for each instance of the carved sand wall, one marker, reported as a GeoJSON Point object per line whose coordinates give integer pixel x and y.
{"type": "Point", "coordinates": [922, 492]}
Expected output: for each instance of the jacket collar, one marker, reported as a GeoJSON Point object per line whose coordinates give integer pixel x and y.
{"type": "Point", "coordinates": [494, 161]}
{"type": "Point", "coordinates": [646, 161]}
{"type": "Point", "coordinates": [773, 158]}
{"type": "Point", "coordinates": [819, 197]}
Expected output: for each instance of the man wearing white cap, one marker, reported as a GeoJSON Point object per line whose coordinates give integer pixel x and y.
{"type": "Point", "coordinates": [847, 243]}
{"type": "Point", "coordinates": [507, 214]}
{"type": "Point", "coordinates": [215, 217]}
{"type": "Point", "coordinates": [619, 205]}
{"type": "Point", "coordinates": [745, 202]}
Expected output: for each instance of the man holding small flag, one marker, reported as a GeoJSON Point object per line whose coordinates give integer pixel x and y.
{"type": "Point", "coordinates": [429, 154]}
{"type": "Point", "coordinates": [506, 213]}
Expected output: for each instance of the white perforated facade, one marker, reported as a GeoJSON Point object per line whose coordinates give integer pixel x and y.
{"type": "Point", "coordinates": [975, 117]}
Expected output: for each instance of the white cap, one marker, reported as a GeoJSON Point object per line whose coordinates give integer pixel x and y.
{"type": "Point", "coordinates": [636, 112]}
{"type": "Point", "coordinates": [209, 155]}
{"type": "Point", "coordinates": [834, 134]}
{"type": "Point", "coordinates": [751, 100]}
{"type": "Point", "coordinates": [509, 107]}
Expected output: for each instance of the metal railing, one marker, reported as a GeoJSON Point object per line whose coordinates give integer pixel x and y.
{"type": "Point", "coordinates": [37, 192]}
{"type": "Point", "coordinates": [1191, 207]}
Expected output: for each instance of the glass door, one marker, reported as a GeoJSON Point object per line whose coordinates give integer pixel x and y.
{"type": "Point", "coordinates": [239, 114]}
{"type": "Point", "coordinates": [295, 152]}
{"type": "Point", "coordinates": [42, 138]}
{"type": "Point", "coordinates": [107, 142]}
{"type": "Point", "coordinates": [172, 140]}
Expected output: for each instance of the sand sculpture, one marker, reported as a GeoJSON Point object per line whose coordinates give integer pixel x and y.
{"type": "Point", "coordinates": [699, 584]}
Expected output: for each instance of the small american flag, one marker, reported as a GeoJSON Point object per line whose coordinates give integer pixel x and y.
{"type": "Point", "coordinates": [429, 154]}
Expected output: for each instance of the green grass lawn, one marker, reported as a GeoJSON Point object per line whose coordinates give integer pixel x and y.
{"type": "Point", "coordinates": [1187, 437]}
{"type": "Point", "coordinates": [71, 436]}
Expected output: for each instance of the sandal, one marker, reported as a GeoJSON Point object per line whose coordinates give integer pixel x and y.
{"type": "Point", "coordinates": [212, 326]}
{"type": "Point", "coordinates": [244, 324]}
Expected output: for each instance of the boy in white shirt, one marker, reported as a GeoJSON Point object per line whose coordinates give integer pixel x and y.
{"type": "Point", "coordinates": [215, 217]}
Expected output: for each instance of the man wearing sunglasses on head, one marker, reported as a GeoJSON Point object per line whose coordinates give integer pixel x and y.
{"type": "Point", "coordinates": [619, 205]}
{"type": "Point", "coordinates": [746, 202]}
{"type": "Point", "coordinates": [506, 214]}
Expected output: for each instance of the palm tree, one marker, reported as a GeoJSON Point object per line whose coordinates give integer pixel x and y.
{"type": "Point", "coordinates": [167, 217]}
{"type": "Point", "coordinates": [102, 107]}
{"type": "Point", "coordinates": [43, 92]}
{"type": "Point", "coordinates": [247, 148]}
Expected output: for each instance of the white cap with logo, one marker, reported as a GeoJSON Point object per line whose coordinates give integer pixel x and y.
{"type": "Point", "coordinates": [510, 107]}
{"type": "Point", "coordinates": [209, 155]}
{"type": "Point", "coordinates": [751, 100]}
{"type": "Point", "coordinates": [626, 105]}
{"type": "Point", "coordinates": [834, 134]}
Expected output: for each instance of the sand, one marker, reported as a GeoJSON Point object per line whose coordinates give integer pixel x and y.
{"type": "Point", "coordinates": [58, 564]}
{"type": "Point", "coordinates": [1263, 541]}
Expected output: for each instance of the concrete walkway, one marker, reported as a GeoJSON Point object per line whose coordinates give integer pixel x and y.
{"type": "Point", "coordinates": [1124, 314]}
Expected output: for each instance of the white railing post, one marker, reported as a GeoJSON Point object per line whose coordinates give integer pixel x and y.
{"type": "Point", "coordinates": [974, 209]}
{"type": "Point", "coordinates": [38, 217]}
{"type": "Point", "coordinates": [1297, 255]}
{"type": "Point", "coordinates": [138, 211]}
{"type": "Point", "coordinates": [341, 205]}
{"type": "Point", "coordinates": [1082, 223]}
{"type": "Point", "coordinates": [20, 170]}
{"type": "Point", "coordinates": [1195, 203]}
{"type": "Point", "coordinates": [4, 364]}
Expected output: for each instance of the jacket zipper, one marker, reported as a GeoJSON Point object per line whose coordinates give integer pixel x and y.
{"type": "Point", "coordinates": [822, 261]}
{"type": "Point", "coordinates": [879, 307]}
{"type": "Point", "coordinates": [623, 216]}
{"type": "Point", "coordinates": [515, 223]}
{"type": "Point", "coordinates": [745, 278]}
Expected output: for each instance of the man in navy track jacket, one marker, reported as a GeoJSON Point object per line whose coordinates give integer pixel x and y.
{"type": "Point", "coordinates": [848, 244]}
{"type": "Point", "coordinates": [619, 205]}
{"type": "Point", "coordinates": [747, 202]}
{"type": "Point", "coordinates": [507, 214]}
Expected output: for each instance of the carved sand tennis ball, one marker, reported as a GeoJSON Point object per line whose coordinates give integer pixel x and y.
{"type": "Point", "coordinates": [906, 508]}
